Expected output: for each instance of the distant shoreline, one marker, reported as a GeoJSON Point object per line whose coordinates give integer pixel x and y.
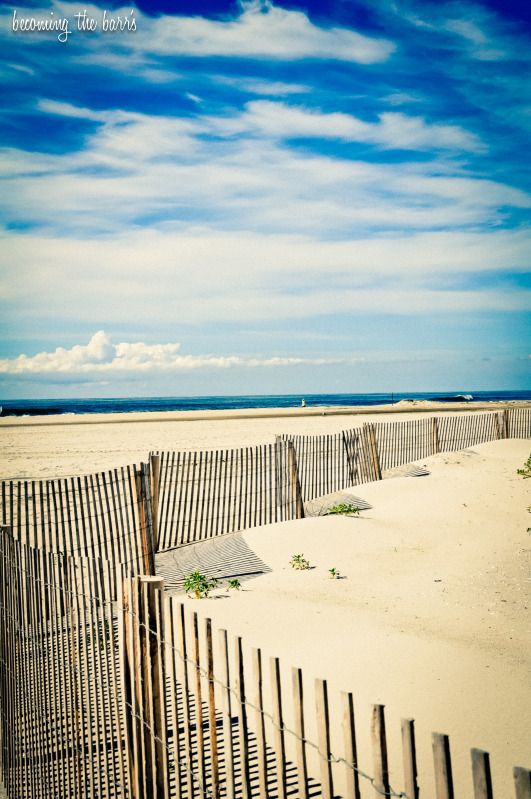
{"type": "Point", "coordinates": [402, 406]}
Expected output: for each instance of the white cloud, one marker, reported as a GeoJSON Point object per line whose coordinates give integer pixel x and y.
{"type": "Point", "coordinates": [100, 356]}
{"type": "Point", "coordinates": [262, 30]}
{"type": "Point", "coordinates": [259, 30]}
{"type": "Point", "coordinates": [392, 131]}
{"type": "Point", "coordinates": [135, 166]}
{"type": "Point", "coordinates": [262, 87]}
{"type": "Point", "coordinates": [204, 276]}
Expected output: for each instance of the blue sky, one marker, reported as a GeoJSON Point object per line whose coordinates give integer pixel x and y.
{"type": "Point", "coordinates": [261, 197]}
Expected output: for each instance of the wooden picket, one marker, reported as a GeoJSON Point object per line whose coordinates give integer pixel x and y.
{"type": "Point", "coordinates": [205, 494]}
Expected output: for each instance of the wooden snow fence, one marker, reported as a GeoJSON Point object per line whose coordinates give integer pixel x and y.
{"type": "Point", "coordinates": [126, 515]}
{"type": "Point", "coordinates": [110, 687]}
{"type": "Point", "coordinates": [204, 494]}
{"type": "Point", "coordinates": [106, 515]}
{"type": "Point", "coordinates": [331, 463]}
{"type": "Point", "coordinates": [61, 718]}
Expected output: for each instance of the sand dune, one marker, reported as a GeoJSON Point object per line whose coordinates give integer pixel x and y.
{"type": "Point", "coordinates": [433, 616]}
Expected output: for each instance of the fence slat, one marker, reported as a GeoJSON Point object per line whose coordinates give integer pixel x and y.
{"type": "Point", "coordinates": [228, 746]}
{"type": "Point", "coordinates": [409, 756]}
{"type": "Point", "coordinates": [300, 732]}
{"type": "Point", "coordinates": [481, 774]}
{"type": "Point", "coordinates": [258, 701]}
{"type": "Point", "coordinates": [379, 751]}
{"type": "Point", "coordinates": [323, 738]}
{"type": "Point", "coordinates": [444, 787]}
{"type": "Point", "coordinates": [352, 779]}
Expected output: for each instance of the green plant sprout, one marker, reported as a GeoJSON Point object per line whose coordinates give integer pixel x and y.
{"type": "Point", "coordinates": [526, 471]}
{"type": "Point", "coordinates": [299, 562]}
{"type": "Point", "coordinates": [235, 584]}
{"type": "Point", "coordinates": [334, 573]}
{"type": "Point", "coordinates": [199, 584]}
{"type": "Point", "coordinates": [345, 509]}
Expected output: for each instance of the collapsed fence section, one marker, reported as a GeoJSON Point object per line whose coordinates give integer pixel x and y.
{"type": "Point", "coordinates": [110, 688]}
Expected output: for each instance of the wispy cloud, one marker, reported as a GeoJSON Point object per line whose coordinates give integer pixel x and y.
{"type": "Point", "coordinates": [101, 356]}
{"type": "Point", "coordinates": [260, 30]}
{"type": "Point", "coordinates": [392, 131]}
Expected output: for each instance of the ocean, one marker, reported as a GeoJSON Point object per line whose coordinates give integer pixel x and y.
{"type": "Point", "coordinates": [46, 407]}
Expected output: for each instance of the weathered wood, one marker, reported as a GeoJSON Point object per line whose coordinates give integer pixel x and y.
{"type": "Point", "coordinates": [352, 780]}
{"type": "Point", "coordinates": [481, 774]}
{"type": "Point", "coordinates": [198, 704]}
{"type": "Point", "coordinates": [155, 623]}
{"type": "Point", "coordinates": [145, 523]}
{"type": "Point", "coordinates": [278, 727]}
{"type": "Point", "coordinates": [128, 669]}
{"type": "Point", "coordinates": [296, 495]}
{"type": "Point", "coordinates": [444, 787]}
{"type": "Point", "coordinates": [300, 732]}
{"type": "Point", "coordinates": [435, 435]}
{"type": "Point", "coordinates": [258, 702]}
{"type": "Point", "coordinates": [170, 654]}
{"type": "Point", "coordinates": [243, 731]}
{"type": "Point", "coordinates": [182, 651]}
{"type": "Point", "coordinates": [522, 782]}
{"type": "Point", "coordinates": [154, 473]}
{"type": "Point", "coordinates": [379, 752]}
{"type": "Point", "coordinates": [374, 451]}
{"type": "Point", "coordinates": [212, 724]}
{"type": "Point", "coordinates": [505, 415]}
{"type": "Point", "coordinates": [230, 789]}
{"type": "Point", "coordinates": [409, 755]}
{"type": "Point", "coordinates": [323, 738]}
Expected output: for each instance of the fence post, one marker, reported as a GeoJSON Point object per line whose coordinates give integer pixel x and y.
{"type": "Point", "coordinates": [435, 435]}
{"type": "Point", "coordinates": [279, 473]}
{"type": "Point", "coordinates": [505, 414]}
{"type": "Point", "coordinates": [154, 472]}
{"type": "Point", "coordinates": [373, 450]}
{"type": "Point", "coordinates": [143, 681]}
{"type": "Point", "coordinates": [295, 482]}
{"type": "Point", "coordinates": [145, 518]}
{"type": "Point", "coordinates": [347, 445]}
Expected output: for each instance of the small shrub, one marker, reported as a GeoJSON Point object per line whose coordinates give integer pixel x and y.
{"type": "Point", "coordinates": [345, 509]}
{"type": "Point", "coordinates": [299, 562]}
{"type": "Point", "coordinates": [199, 584]}
{"type": "Point", "coordinates": [234, 583]}
{"type": "Point", "coordinates": [526, 471]}
{"type": "Point", "coordinates": [334, 573]}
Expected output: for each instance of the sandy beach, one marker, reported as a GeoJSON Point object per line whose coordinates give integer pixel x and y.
{"type": "Point", "coordinates": [58, 446]}
{"type": "Point", "coordinates": [432, 616]}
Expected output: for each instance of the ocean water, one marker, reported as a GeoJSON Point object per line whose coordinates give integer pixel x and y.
{"type": "Point", "coordinates": [46, 407]}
